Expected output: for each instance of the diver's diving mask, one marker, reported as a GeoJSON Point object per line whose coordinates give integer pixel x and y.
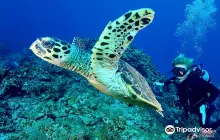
{"type": "Point", "coordinates": [179, 71]}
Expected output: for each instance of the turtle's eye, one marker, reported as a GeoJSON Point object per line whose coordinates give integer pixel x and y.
{"type": "Point", "coordinates": [48, 44]}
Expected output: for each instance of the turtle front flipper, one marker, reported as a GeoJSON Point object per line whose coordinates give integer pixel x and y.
{"type": "Point", "coordinates": [108, 71]}
{"type": "Point", "coordinates": [117, 36]}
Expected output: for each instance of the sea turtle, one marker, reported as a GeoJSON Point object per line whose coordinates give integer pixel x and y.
{"type": "Point", "coordinates": [103, 68]}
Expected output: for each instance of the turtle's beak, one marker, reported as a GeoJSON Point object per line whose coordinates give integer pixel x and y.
{"type": "Point", "coordinates": [37, 48]}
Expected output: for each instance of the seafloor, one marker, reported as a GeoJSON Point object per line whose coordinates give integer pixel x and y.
{"type": "Point", "coordinates": [39, 101]}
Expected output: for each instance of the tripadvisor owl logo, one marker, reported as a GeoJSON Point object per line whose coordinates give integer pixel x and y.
{"type": "Point", "coordinates": [169, 129]}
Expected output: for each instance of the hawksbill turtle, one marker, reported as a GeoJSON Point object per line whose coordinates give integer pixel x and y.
{"type": "Point", "coordinates": [103, 68]}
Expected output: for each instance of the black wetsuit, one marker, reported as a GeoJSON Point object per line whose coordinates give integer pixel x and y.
{"type": "Point", "coordinates": [193, 92]}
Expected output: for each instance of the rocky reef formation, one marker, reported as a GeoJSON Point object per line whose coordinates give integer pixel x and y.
{"type": "Point", "coordinates": [39, 101]}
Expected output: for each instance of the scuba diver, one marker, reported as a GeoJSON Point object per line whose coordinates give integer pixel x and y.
{"type": "Point", "coordinates": [194, 89]}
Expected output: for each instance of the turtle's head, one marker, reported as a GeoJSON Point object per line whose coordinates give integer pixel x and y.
{"type": "Point", "coordinates": [50, 49]}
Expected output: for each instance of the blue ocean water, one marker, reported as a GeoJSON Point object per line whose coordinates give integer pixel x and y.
{"type": "Point", "coordinates": [22, 21]}
{"type": "Point", "coordinates": [179, 26]}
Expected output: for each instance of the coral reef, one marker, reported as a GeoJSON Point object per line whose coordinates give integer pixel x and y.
{"type": "Point", "coordinates": [40, 101]}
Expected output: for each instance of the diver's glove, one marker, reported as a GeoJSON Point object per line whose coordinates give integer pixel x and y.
{"type": "Point", "coordinates": [158, 86]}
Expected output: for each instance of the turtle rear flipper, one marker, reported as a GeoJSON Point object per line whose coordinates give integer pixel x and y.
{"type": "Point", "coordinates": [117, 36]}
